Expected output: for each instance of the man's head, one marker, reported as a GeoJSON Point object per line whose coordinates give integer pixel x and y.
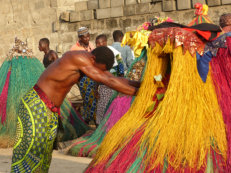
{"type": "Point", "coordinates": [44, 44]}
{"type": "Point", "coordinates": [84, 35]}
{"type": "Point", "coordinates": [104, 58]}
{"type": "Point", "coordinates": [225, 22]}
{"type": "Point", "coordinates": [118, 36]}
{"type": "Point", "coordinates": [101, 40]}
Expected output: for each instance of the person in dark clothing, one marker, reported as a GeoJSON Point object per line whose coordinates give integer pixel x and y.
{"type": "Point", "coordinates": [49, 55]}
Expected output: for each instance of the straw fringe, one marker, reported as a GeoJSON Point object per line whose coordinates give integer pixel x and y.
{"type": "Point", "coordinates": [187, 122]}
{"type": "Point", "coordinates": [184, 129]}
{"type": "Point", "coordinates": [134, 117]}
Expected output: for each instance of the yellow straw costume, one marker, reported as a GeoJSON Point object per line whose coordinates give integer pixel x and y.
{"type": "Point", "coordinates": [185, 133]}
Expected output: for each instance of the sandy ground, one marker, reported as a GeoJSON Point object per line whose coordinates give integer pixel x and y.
{"type": "Point", "coordinates": [60, 162]}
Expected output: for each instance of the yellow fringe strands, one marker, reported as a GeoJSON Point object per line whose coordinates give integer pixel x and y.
{"type": "Point", "coordinates": [187, 124]}
{"type": "Point", "coordinates": [116, 137]}
{"type": "Point", "coordinates": [137, 40]}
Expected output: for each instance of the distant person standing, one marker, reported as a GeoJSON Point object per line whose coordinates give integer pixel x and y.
{"type": "Point", "coordinates": [84, 41]}
{"type": "Point", "coordinates": [86, 86]}
{"type": "Point", "coordinates": [49, 55]}
{"type": "Point", "coordinates": [125, 51]}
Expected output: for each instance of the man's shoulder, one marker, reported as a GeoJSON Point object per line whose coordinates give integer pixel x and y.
{"type": "Point", "coordinates": [75, 46]}
{"type": "Point", "coordinates": [127, 47]}
{"type": "Point", "coordinates": [52, 52]}
{"type": "Point", "coordinates": [115, 51]}
{"type": "Point", "coordinates": [77, 55]}
{"type": "Point", "coordinates": [117, 46]}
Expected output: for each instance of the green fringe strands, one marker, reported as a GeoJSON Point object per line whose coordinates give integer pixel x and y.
{"type": "Point", "coordinates": [3, 73]}
{"type": "Point", "coordinates": [24, 74]}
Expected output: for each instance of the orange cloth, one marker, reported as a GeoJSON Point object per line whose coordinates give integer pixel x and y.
{"type": "Point", "coordinates": [77, 46]}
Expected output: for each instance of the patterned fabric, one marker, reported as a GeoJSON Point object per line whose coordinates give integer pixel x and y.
{"type": "Point", "coordinates": [46, 100]}
{"type": "Point", "coordinates": [137, 70]}
{"type": "Point", "coordinates": [220, 42]}
{"type": "Point", "coordinates": [105, 94]}
{"type": "Point", "coordinates": [87, 89]}
{"type": "Point", "coordinates": [118, 70]}
{"type": "Point", "coordinates": [36, 132]}
{"type": "Point", "coordinates": [177, 37]}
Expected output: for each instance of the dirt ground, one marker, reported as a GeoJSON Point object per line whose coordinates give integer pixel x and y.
{"type": "Point", "coordinates": [60, 162]}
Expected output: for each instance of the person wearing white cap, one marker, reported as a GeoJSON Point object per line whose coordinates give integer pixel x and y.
{"type": "Point", "coordinates": [86, 86]}
{"type": "Point", "coordinates": [84, 40]}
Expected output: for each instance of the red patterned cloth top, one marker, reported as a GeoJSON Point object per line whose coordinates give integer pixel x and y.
{"type": "Point", "coordinates": [179, 37]}
{"type": "Point", "coordinates": [46, 100]}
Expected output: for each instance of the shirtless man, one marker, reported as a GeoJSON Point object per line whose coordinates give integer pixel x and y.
{"type": "Point", "coordinates": [49, 55]}
{"type": "Point", "coordinates": [39, 109]}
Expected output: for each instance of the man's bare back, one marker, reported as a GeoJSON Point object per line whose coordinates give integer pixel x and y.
{"type": "Point", "coordinates": [60, 76]}
{"type": "Point", "coordinates": [49, 58]}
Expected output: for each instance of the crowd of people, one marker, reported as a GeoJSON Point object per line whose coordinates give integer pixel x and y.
{"type": "Point", "coordinates": [95, 96]}
{"type": "Point", "coordinates": [140, 140]}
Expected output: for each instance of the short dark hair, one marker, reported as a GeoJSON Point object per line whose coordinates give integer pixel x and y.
{"type": "Point", "coordinates": [117, 34]}
{"type": "Point", "coordinates": [104, 55]}
{"type": "Point", "coordinates": [45, 40]}
{"type": "Point", "coordinates": [225, 20]}
{"type": "Point", "coordinates": [101, 36]}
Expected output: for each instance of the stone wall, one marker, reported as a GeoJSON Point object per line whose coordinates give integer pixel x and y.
{"type": "Point", "coordinates": [30, 20]}
{"type": "Point", "coordinates": [59, 19]}
{"type": "Point", "coordinates": [104, 16]}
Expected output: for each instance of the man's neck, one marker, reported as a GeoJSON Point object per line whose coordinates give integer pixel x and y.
{"type": "Point", "coordinates": [83, 45]}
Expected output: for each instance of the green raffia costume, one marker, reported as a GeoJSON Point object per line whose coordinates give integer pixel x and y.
{"type": "Point", "coordinates": [36, 132]}
{"type": "Point", "coordinates": [26, 110]}
{"type": "Point", "coordinates": [18, 74]}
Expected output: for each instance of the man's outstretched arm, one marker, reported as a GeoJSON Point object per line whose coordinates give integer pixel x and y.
{"type": "Point", "coordinates": [116, 83]}
{"type": "Point", "coordinates": [133, 83]}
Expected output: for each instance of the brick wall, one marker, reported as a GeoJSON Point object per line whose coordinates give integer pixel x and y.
{"type": "Point", "coordinates": [104, 16]}
{"type": "Point", "coordinates": [30, 20]}
{"type": "Point", "coordinates": [59, 19]}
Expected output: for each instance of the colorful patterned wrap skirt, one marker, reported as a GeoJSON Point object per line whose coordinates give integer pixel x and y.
{"type": "Point", "coordinates": [36, 132]}
{"type": "Point", "coordinates": [87, 89]}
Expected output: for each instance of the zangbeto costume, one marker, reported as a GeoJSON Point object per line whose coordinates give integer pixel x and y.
{"type": "Point", "coordinates": [19, 73]}
{"type": "Point", "coordinates": [187, 131]}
